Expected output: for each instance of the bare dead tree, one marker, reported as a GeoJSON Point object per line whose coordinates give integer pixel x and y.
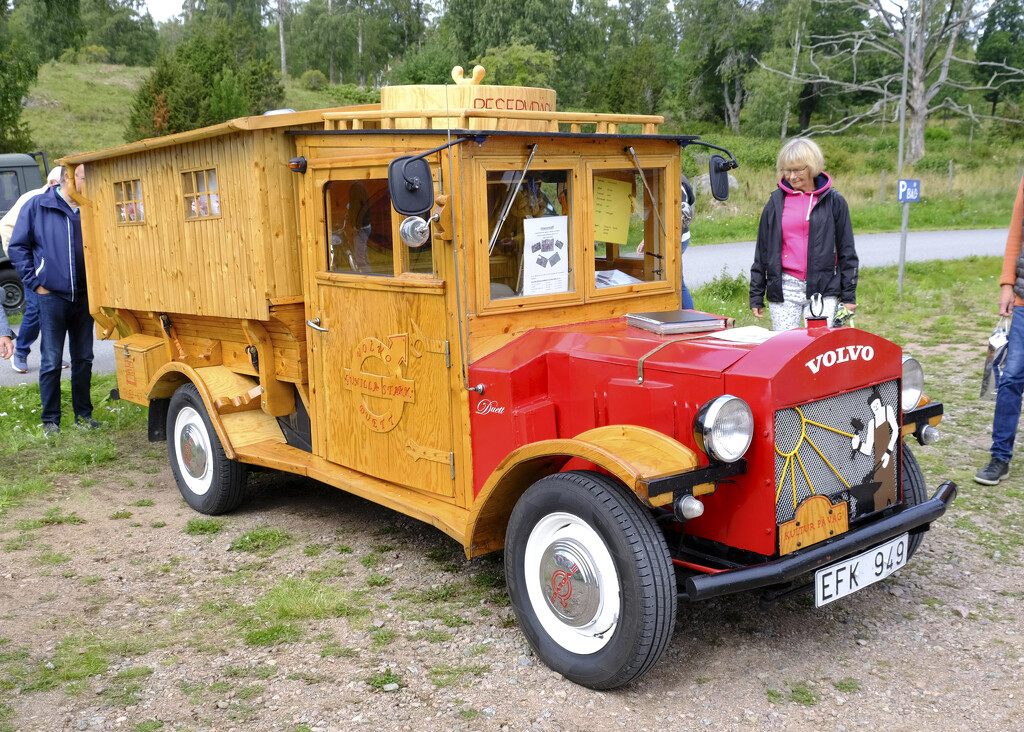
{"type": "Point", "coordinates": [282, 10]}
{"type": "Point", "coordinates": [796, 59]}
{"type": "Point", "coordinates": [733, 91]}
{"type": "Point", "coordinates": [837, 62]}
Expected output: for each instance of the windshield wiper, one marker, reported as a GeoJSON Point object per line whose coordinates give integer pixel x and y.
{"type": "Point", "coordinates": [509, 199]}
{"type": "Point", "coordinates": [654, 202]}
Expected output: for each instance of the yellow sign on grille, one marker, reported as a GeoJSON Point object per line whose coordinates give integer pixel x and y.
{"type": "Point", "coordinates": [816, 520]}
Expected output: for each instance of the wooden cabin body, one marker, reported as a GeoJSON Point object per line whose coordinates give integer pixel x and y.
{"type": "Point", "coordinates": [355, 373]}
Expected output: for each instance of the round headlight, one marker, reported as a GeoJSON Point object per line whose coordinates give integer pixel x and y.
{"type": "Point", "coordinates": [913, 383]}
{"type": "Point", "coordinates": [724, 428]}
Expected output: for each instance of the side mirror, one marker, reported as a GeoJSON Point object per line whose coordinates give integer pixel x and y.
{"type": "Point", "coordinates": [719, 177]}
{"type": "Point", "coordinates": [410, 185]}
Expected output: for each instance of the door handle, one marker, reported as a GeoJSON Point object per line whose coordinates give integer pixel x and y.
{"type": "Point", "coordinates": [315, 325]}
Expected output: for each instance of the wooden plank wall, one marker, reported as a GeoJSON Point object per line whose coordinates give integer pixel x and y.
{"type": "Point", "coordinates": [226, 266]}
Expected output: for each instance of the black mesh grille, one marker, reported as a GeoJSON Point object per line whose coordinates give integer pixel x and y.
{"type": "Point", "coordinates": [814, 451]}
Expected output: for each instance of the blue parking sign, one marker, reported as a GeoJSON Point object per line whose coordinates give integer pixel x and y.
{"type": "Point", "coordinates": [908, 191]}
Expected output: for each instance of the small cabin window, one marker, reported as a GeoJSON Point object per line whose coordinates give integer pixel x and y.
{"type": "Point", "coordinates": [128, 202]}
{"type": "Point", "coordinates": [531, 253]}
{"type": "Point", "coordinates": [201, 194]}
{"type": "Point", "coordinates": [629, 220]}
{"type": "Point", "coordinates": [359, 227]}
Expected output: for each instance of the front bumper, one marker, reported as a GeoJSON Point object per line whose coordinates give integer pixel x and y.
{"type": "Point", "coordinates": [785, 569]}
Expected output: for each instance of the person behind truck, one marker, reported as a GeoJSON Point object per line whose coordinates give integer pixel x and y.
{"type": "Point", "coordinates": [804, 242]}
{"type": "Point", "coordinates": [687, 199]}
{"type": "Point", "coordinates": [1011, 381]}
{"type": "Point", "coordinates": [46, 250]}
{"type": "Point", "coordinates": [29, 330]}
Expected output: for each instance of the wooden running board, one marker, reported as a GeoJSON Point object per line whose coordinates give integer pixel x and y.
{"type": "Point", "coordinates": [447, 517]}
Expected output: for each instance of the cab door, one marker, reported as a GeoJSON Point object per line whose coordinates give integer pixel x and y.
{"type": "Point", "coordinates": [380, 387]}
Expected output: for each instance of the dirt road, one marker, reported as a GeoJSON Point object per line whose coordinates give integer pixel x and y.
{"type": "Point", "coordinates": [115, 616]}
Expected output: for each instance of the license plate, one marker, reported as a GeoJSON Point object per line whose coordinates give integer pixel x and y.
{"type": "Point", "coordinates": [846, 577]}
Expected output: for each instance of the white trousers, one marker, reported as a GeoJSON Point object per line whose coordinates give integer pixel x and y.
{"type": "Point", "coordinates": [794, 310]}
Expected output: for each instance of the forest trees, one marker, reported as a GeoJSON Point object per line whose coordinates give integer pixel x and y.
{"type": "Point", "coordinates": [221, 71]}
{"type": "Point", "coordinates": [17, 72]}
{"type": "Point", "coordinates": [122, 30]}
{"type": "Point", "coordinates": [866, 61]}
{"type": "Point", "coordinates": [721, 39]}
{"type": "Point", "coordinates": [763, 67]}
{"type": "Point", "coordinates": [1001, 44]}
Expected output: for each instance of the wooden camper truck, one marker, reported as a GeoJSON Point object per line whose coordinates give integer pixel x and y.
{"type": "Point", "coordinates": [421, 302]}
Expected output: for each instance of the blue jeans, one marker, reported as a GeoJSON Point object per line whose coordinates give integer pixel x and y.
{"type": "Point", "coordinates": [59, 318]}
{"type": "Point", "coordinates": [28, 331]}
{"type": "Point", "coordinates": [1011, 385]}
{"type": "Point", "coordinates": [687, 297]}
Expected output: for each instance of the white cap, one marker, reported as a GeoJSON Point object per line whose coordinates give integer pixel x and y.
{"type": "Point", "coordinates": [55, 175]}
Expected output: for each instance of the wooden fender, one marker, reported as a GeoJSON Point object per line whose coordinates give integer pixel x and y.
{"type": "Point", "coordinates": [630, 453]}
{"type": "Point", "coordinates": [219, 385]}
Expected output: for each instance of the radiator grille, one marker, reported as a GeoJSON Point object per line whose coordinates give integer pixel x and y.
{"type": "Point", "coordinates": [815, 455]}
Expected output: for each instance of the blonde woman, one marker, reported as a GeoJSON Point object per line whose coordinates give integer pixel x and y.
{"type": "Point", "coordinates": [804, 242]}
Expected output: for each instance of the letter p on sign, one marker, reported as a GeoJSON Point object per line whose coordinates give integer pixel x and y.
{"type": "Point", "coordinates": [908, 191]}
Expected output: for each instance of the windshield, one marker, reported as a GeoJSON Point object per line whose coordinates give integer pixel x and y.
{"type": "Point", "coordinates": [629, 241]}
{"type": "Point", "coordinates": [532, 252]}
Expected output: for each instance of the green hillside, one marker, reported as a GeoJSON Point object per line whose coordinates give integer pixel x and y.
{"type": "Point", "coordinates": [75, 108]}
{"type": "Point", "coordinates": [78, 107]}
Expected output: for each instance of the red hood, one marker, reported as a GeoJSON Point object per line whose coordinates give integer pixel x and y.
{"type": "Point", "coordinates": [559, 382]}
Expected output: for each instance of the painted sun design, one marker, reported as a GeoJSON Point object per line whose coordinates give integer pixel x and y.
{"type": "Point", "coordinates": [793, 459]}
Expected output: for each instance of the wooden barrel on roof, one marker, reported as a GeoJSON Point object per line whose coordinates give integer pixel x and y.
{"type": "Point", "coordinates": [471, 106]}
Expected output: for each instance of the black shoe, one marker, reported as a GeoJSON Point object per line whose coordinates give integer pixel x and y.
{"type": "Point", "coordinates": [992, 473]}
{"type": "Point", "coordinates": [87, 423]}
{"type": "Point", "coordinates": [50, 428]}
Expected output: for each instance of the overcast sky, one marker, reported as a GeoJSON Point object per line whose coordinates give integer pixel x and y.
{"type": "Point", "coordinates": [162, 10]}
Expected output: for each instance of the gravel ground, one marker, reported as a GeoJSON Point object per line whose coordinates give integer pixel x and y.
{"type": "Point", "coordinates": [129, 622]}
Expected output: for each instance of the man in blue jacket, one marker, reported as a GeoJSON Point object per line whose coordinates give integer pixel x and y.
{"type": "Point", "coordinates": [46, 250]}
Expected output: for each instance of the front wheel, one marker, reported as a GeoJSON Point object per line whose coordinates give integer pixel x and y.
{"type": "Point", "coordinates": [209, 482]}
{"type": "Point", "coordinates": [590, 579]}
{"type": "Point", "coordinates": [915, 491]}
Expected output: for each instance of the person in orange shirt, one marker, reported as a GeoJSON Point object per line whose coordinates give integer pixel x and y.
{"type": "Point", "coordinates": [1011, 383]}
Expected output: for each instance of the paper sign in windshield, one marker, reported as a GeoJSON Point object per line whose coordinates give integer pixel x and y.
{"type": "Point", "coordinates": [612, 209]}
{"type": "Point", "coordinates": [546, 259]}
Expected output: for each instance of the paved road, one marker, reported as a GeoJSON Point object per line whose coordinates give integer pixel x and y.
{"type": "Point", "coordinates": [702, 264]}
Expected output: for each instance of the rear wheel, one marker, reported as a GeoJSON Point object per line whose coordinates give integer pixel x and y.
{"type": "Point", "coordinates": [209, 482]}
{"type": "Point", "coordinates": [590, 579]}
{"type": "Point", "coordinates": [915, 492]}
{"type": "Point", "coordinates": [12, 291]}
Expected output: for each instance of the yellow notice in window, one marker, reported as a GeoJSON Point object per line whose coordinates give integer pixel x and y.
{"type": "Point", "coordinates": [612, 210]}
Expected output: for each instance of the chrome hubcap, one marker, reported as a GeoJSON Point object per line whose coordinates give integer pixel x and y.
{"type": "Point", "coordinates": [572, 583]}
{"type": "Point", "coordinates": [567, 571]}
{"type": "Point", "coordinates": [193, 451]}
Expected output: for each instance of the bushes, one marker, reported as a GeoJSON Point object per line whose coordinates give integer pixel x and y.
{"type": "Point", "coordinates": [751, 152]}
{"type": "Point", "coordinates": [348, 94]}
{"type": "Point", "coordinates": [314, 80]}
{"type": "Point", "coordinates": [838, 161]}
{"type": "Point", "coordinates": [937, 134]}
{"type": "Point", "coordinates": [86, 55]}
{"type": "Point", "coordinates": [882, 161]}
{"type": "Point", "coordinates": [932, 163]}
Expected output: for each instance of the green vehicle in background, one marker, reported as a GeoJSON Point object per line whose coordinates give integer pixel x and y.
{"type": "Point", "coordinates": [19, 173]}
